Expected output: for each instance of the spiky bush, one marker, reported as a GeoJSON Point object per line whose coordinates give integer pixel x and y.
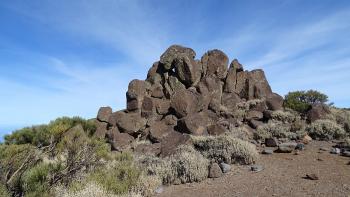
{"type": "Point", "coordinates": [90, 190]}
{"type": "Point", "coordinates": [273, 129]}
{"type": "Point", "coordinates": [325, 130]}
{"type": "Point", "coordinates": [342, 117]}
{"type": "Point", "coordinates": [147, 184]}
{"type": "Point", "coordinates": [226, 148]}
{"type": "Point", "coordinates": [184, 166]}
{"type": "Point", "coordinates": [283, 116]}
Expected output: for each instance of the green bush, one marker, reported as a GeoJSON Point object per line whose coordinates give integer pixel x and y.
{"type": "Point", "coordinates": [325, 130]}
{"type": "Point", "coordinates": [35, 181]}
{"type": "Point", "coordinates": [226, 148]}
{"type": "Point", "coordinates": [3, 191]}
{"type": "Point", "coordinates": [42, 135]}
{"type": "Point", "coordinates": [119, 177]}
{"type": "Point", "coordinates": [301, 101]}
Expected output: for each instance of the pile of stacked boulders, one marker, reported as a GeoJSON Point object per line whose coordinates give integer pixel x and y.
{"type": "Point", "coordinates": [183, 96]}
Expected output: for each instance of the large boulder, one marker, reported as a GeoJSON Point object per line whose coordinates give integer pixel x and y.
{"type": "Point", "coordinates": [172, 141]}
{"type": "Point", "coordinates": [195, 124]}
{"type": "Point", "coordinates": [317, 111]}
{"type": "Point", "coordinates": [172, 53]}
{"type": "Point", "coordinates": [184, 102]}
{"type": "Point", "coordinates": [258, 87]}
{"type": "Point", "coordinates": [131, 122]}
{"type": "Point", "coordinates": [121, 141]}
{"type": "Point", "coordinates": [148, 107]}
{"type": "Point", "coordinates": [210, 89]}
{"type": "Point", "coordinates": [159, 130]}
{"type": "Point", "coordinates": [154, 74]}
{"type": "Point", "coordinates": [230, 100]}
{"type": "Point", "coordinates": [274, 102]}
{"type": "Point", "coordinates": [187, 70]}
{"type": "Point", "coordinates": [137, 89]}
{"type": "Point", "coordinates": [216, 129]}
{"type": "Point", "coordinates": [104, 113]}
{"type": "Point", "coordinates": [215, 62]}
{"type": "Point", "coordinates": [148, 149]}
{"type": "Point", "coordinates": [231, 78]}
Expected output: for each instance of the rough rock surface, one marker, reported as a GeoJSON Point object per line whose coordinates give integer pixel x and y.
{"type": "Point", "coordinates": [182, 95]}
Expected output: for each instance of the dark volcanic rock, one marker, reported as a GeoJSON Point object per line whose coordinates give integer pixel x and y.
{"type": "Point", "coordinates": [174, 52]}
{"type": "Point", "coordinates": [215, 62]}
{"type": "Point", "coordinates": [184, 102]}
{"type": "Point", "coordinates": [184, 95]}
{"type": "Point", "coordinates": [318, 111]}
{"type": "Point", "coordinates": [104, 113]}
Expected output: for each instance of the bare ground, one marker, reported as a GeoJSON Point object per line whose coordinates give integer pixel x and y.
{"type": "Point", "coordinates": [283, 175]}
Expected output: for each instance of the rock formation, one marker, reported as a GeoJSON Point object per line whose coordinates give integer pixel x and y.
{"type": "Point", "coordinates": [183, 96]}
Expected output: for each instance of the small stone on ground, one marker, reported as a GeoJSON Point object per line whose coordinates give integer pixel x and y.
{"type": "Point", "coordinates": [257, 168]}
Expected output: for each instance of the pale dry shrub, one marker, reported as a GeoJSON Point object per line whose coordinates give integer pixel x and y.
{"type": "Point", "coordinates": [184, 166]}
{"type": "Point", "coordinates": [342, 117]}
{"type": "Point", "coordinates": [325, 130]}
{"type": "Point", "coordinates": [274, 129]}
{"type": "Point", "coordinates": [241, 132]}
{"type": "Point", "coordinates": [226, 148]}
{"type": "Point", "coordinates": [246, 105]}
{"type": "Point", "coordinates": [147, 184]}
{"type": "Point", "coordinates": [283, 116]}
{"type": "Point", "coordinates": [90, 190]}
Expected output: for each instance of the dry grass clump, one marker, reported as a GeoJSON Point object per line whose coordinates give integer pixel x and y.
{"type": "Point", "coordinates": [226, 148]}
{"type": "Point", "coordinates": [274, 129]}
{"type": "Point", "coordinates": [325, 130]}
{"type": "Point", "coordinates": [184, 166]}
{"type": "Point", "coordinates": [147, 184]}
{"type": "Point", "coordinates": [90, 190]}
{"type": "Point", "coordinates": [342, 117]}
{"type": "Point", "coordinates": [246, 105]}
{"type": "Point", "coordinates": [283, 116]}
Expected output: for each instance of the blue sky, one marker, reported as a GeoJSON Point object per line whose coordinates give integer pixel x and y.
{"type": "Point", "coordinates": [71, 57]}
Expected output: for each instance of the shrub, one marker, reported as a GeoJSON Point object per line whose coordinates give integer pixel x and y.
{"type": "Point", "coordinates": [226, 148]}
{"type": "Point", "coordinates": [274, 129]}
{"type": "Point", "coordinates": [283, 116]}
{"type": "Point", "coordinates": [342, 117]}
{"type": "Point", "coordinates": [41, 135]}
{"type": "Point", "coordinates": [325, 130]}
{"type": "Point", "coordinates": [35, 181]}
{"type": "Point", "coordinates": [118, 177]}
{"type": "Point", "coordinates": [90, 190]}
{"type": "Point", "coordinates": [3, 190]}
{"type": "Point", "coordinates": [301, 101]}
{"type": "Point", "coordinates": [186, 165]}
{"type": "Point", "coordinates": [147, 184]}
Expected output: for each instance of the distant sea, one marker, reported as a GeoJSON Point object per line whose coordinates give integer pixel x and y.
{"type": "Point", "coordinates": [7, 130]}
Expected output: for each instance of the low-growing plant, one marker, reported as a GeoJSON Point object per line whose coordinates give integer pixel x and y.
{"type": "Point", "coordinates": [186, 165]}
{"type": "Point", "coordinates": [35, 181]}
{"type": "Point", "coordinates": [226, 148]}
{"type": "Point", "coordinates": [118, 177]}
{"type": "Point", "coordinates": [283, 116]}
{"type": "Point", "coordinates": [91, 189]}
{"type": "Point", "coordinates": [325, 130]}
{"type": "Point", "coordinates": [274, 129]}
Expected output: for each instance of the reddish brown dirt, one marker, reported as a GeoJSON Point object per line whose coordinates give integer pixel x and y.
{"type": "Point", "coordinates": [283, 175]}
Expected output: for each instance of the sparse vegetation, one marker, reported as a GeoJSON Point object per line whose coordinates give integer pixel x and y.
{"type": "Point", "coordinates": [325, 130]}
{"type": "Point", "coordinates": [226, 148]}
{"type": "Point", "coordinates": [42, 135]}
{"type": "Point", "coordinates": [274, 129]}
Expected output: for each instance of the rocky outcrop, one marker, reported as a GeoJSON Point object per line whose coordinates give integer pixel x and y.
{"type": "Point", "coordinates": [183, 96]}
